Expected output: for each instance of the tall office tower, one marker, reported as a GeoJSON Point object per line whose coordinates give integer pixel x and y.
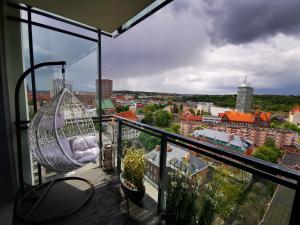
{"type": "Point", "coordinates": [244, 97]}
{"type": "Point", "coordinates": [57, 85]}
{"type": "Point", "coordinates": [106, 88]}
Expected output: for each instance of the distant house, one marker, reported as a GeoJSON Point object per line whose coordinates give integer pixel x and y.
{"type": "Point", "coordinates": [107, 107]}
{"type": "Point", "coordinates": [130, 115]}
{"type": "Point", "coordinates": [127, 132]}
{"type": "Point", "coordinates": [284, 139]}
{"type": "Point", "coordinates": [259, 119]}
{"type": "Point", "coordinates": [136, 106]}
{"type": "Point", "coordinates": [169, 108]}
{"type": "Point", "coordinates": [88, 99]}
{"type": "Point", "coordinates": [223, 139]}
{"type": "Point", "coordinates": [41, 97]}
{"type": "Point", "coordinates": [216, 110]}
{"type": "Point", "coordinates": [177, 159]}
{"type": "Point", "coordinates": [188, 123]}
{"type": "Point", "coordinates": [294, 115]}
{"type": "Point", "coordinates": [204, 107]}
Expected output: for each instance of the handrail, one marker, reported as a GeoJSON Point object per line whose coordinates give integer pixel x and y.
{"type": "Point", "coordinates": [271, 168]}
{"type": "Point", "coordinates": [276, 173]}
{"type": "Point", "coordinates": [272, 171]}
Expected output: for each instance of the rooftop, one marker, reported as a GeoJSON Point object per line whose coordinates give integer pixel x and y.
{"type": "Point", "coordinates": [175, 159]}
{"type": "Point", "coordinates": [192, 118]}
{"type": "Point", "coordinates": [130, 115]}
{"type": "Point", "coordinates": [107, 104]}
{"type": "Point", "coordinates": [295, 109]}
{"type": "Point", "coordinates": [235, 116]}
{"type": "Point", "coordinates": [229, 139]}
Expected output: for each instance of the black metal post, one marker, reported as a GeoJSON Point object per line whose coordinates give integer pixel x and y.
{"type": "Point", "coordinates": [100, 95]}
{"type": "Point", "coordinates": [119, 146]}
{"type": "Point", "coordinates": [162, 173]}
{"type": "Point", "coordinates": [295, 216]}
{"type": "Point", "coordinates": [17, 114]}
{"type": "Point", "coordinates": [33, 83]}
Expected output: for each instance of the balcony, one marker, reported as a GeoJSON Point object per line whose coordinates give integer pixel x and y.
{"type": "Point", "coordinates": [246, 190]}
{"type": "Point", "coordinates": [269, 194]}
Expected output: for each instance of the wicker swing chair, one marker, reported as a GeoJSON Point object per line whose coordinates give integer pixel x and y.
{"type": "Point", "coordinates": [62, 135]}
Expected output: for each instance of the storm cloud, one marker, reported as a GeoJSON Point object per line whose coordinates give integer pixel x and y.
{"type": "Point", "coordinates": [190, 46]}
{"type": "Point", "coordinates": [242, 21]}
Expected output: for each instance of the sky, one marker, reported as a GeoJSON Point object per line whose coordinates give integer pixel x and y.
{"type": "Point", "coordinates": [189, 47]}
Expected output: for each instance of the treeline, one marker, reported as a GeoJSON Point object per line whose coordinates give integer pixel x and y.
{"type": "Point", "coordinates": [273, 103]}
{"type": "Point", "coordinates": [124, 92]}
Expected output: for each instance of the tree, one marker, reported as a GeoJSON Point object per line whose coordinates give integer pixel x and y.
{"type": "Point", "coordinates": [192, 111]}
{"type": "Point", "coordinates": [162, 118]}
{"type": "Point", "coordinates": [148, 119]}
{"type": "Point", "coordinates": [275, 123]}
{"type": "Point", "coordinates": [176, 108]}
{"type": "Point", "coordinates": [175, 128]}
{"type": "Point", "coordinates": [124, 108]}
{"type": "Point", "coordinates": [150, 108]}
{"type": "Point", "coordinates": [268, 152]}
{"type": "Point", "coordinates": [181, 107]}
{"type": "Point", "coordinates": [269, 142]}
{"type": "Point", "coordinates": [148, 141]}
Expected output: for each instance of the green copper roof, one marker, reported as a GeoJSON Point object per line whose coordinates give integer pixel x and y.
{"type": "Point", "coordinates": [107, 104]}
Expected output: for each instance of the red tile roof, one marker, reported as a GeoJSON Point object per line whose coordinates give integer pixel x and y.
{"type": "Point", "coordinates": [192, 118]}
{"type": "Point", "coordinates": [295, 109]}
{"type": "Point", "coordinates": [120, 97]}
{"type": "Point", "coordinates": [234, 116]}
{"type": "Point", "coordinates": [139, 105]}
{"type": "Point", "coordinates": [130, 115]}
{"type": "Point", "coordinates": [265, 116]}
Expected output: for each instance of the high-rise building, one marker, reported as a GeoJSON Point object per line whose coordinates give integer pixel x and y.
{"type": "Point", "coordinates": [88, 99]}
{"type": "Point", "coordinates": [57, 85]}
{"type": "Point", "coordinates": [244, 97]}
{"type": "Point", "coordinates": [106, 88]}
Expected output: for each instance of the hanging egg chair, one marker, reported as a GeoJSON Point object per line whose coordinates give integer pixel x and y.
{"type": "Point", "coordinates": [62, 135]}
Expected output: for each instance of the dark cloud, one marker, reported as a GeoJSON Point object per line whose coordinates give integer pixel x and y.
{"type": "Point", "coordinates": [171, 51]}
{"type": "Point", "coordinates": [242, 21]}
{"type": "Point", "coordinates": [171, 38]}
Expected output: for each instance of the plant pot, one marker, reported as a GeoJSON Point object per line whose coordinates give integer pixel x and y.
{"type": "Point", "coordinates": [134, 195]}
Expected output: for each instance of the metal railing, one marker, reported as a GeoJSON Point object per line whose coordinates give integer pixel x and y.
{"type": "Point", "coordinates": [270, 171]}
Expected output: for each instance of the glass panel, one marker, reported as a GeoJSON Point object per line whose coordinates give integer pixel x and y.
{"type": "Point", "coordinates": [151, 7]}
{"type": "Point", "coordinates": [135, 142]}
{"type": "Point", "coordinates": [81, 74]}
{"type": "Point", "coordinates": [202, 190]}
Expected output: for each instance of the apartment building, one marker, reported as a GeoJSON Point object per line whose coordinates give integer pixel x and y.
{"type": "Point", "coordinates": [188, 123]}
{"type": "Point", "coordinates": [127, 132]}
{"type": "Point", "coordinates": [258, 135]}
{"type": "Point", "coordinates": [229, 141]}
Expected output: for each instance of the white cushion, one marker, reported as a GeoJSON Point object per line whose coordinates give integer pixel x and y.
{"type": "Point", "coordinates": [78, 144]}
{"type": "Point", "coordinates": [91, 141]}
{"type": "Point", "coordinates": [88, 155]}
{"type": "Point", "coordinates": [94, 151]}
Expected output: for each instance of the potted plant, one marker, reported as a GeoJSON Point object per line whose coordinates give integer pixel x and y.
{"type": "Point", "coordinates": [133, 174]}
